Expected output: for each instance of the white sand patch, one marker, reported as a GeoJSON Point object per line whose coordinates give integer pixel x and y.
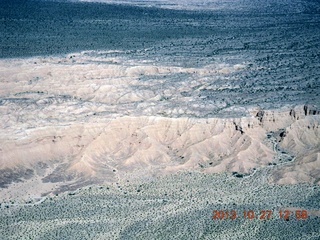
{"type": "Point", "coordinates": [90, 117]}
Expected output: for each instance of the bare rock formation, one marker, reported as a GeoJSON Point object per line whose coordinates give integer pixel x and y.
{"type": "Point", "coordinates": [64, 125]}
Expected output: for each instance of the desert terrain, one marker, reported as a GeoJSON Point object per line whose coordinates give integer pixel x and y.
{"type": "Point", "coordinates": [135, 120]}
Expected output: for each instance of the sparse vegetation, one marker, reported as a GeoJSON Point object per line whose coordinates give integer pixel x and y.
{"type": "Point", "coordinates": [177, 206]}
{"type": "Point", "coordinates": [146, 62]}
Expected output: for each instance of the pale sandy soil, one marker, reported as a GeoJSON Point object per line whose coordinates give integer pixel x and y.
{"type": "Point", "coordinates": [70, 121]}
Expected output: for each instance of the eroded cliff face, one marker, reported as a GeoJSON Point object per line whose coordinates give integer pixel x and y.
{"type": "Point", "coordinates": [137, 148]}
{"type": "Point", "coordinates": [66, 124]}
{"type": "Point", "coordinates": [302, 140]}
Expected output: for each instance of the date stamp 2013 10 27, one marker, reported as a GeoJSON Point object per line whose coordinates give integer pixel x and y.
{"type": "Point", "coordinates": [262, 214]}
